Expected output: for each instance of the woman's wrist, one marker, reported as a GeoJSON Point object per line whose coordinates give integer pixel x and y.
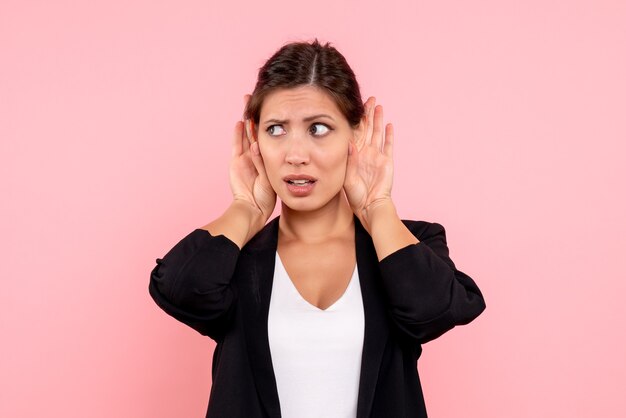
{"type": "Point", "coordinates": [378, 214]}
{"type": "Point", "coordinates": [248, 216]}
{"type": "Point", "coordinates": [239, 223]}
{"type": "Point", "coordinates": [387, 230]}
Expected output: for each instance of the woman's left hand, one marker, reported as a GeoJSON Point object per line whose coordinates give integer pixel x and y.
{"type": "Point", "coordinates": [369, 174]}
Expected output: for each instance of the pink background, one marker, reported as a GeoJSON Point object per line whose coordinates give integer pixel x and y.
{"type": "Point", "coordinates": [115, 120]}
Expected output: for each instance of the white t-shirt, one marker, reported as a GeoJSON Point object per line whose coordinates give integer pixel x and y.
{"type": "Point", "coordinates": [316, 354]}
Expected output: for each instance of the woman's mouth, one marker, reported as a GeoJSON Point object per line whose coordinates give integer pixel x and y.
{"type": "Point", "coordinates": [300, 185]}
{"type": "Point", "coordinates": [299, 182]}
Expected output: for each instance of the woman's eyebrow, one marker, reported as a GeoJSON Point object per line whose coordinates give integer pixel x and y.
{"type": "Point", "coordinates": [307, 119]}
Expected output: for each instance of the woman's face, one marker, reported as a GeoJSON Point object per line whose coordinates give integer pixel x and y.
{"type": "Point", "coordinates": [303, 138]}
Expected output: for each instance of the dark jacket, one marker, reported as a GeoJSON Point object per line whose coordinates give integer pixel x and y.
{"type": "Point", "coordinates": [410, 297]}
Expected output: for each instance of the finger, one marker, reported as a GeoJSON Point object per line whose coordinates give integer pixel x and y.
{"type": "Point", "coordinates": [257, 160]}
{"type": "Point", "coordinates": [377, 134]}
{"type": "Point", "coordinates": [237, 142]}
{"type": "Point", "coordinates": [370, 119]}
{"type": "Point", "coordinates": [252, 133]}
{"type": "Point", "coordinates": [245, 138]}
{"type": "Point", "coordinates": [246, 100]}
{"type": "Point", "coordinates": [368, 104]}
{"type": "Point", "coordinates": [388, 147]}
{"type": "Point", "coordinates": [351, 167]}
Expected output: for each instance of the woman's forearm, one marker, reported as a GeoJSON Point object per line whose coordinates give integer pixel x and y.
{"type": "Point", "coordinates": [387, 230]}
{"type": "Point", "coordinates": [239, 223]}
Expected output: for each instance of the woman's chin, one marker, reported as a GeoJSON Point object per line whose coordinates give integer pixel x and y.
{"type": "Point", "coordinates": [308, 203]}
{"type": "Point", "coordinates": [300, 205]}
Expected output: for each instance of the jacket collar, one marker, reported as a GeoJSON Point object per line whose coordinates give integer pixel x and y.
{"type": "Point", "coordinates": [263, 250]}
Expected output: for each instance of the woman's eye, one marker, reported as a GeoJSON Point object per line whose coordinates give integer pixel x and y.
{"type": "Point", "coordinates": [275, 130]}
{"type": "Point", "coordinates": [319, 129]}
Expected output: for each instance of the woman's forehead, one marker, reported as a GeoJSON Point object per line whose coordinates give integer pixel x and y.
{"type": "Point", "coordinates": [298, 103]}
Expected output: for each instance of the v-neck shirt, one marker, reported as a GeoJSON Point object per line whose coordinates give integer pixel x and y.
{"type": "Point", "coordinates": [316, 353]}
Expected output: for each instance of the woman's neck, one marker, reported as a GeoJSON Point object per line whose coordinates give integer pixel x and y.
{"type": "Point", "coordinates": [333, 220]}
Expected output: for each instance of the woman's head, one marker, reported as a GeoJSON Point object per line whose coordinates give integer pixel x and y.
{"type": "Point", "coordinates": [308, 64]}
{"type": "Point", "coordinates": [307, 109]}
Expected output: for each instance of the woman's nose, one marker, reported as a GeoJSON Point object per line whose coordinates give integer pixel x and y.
{"type": "Point", "coordinates": [297, 152]}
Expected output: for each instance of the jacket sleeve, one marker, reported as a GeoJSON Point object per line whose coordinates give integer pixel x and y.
{"type": "Point", "coordinates": [428, 296]}
{"type": "Point", "coordinates": [192, 282]}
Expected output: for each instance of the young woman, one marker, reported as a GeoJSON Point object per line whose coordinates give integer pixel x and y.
{"type": "Point", "coordinates": [322, 311]}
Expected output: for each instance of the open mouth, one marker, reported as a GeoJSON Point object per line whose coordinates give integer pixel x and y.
{"type": "Point", "coordinates": [300, 182]}
{"type": "Point", "coordinates": [300, 185]}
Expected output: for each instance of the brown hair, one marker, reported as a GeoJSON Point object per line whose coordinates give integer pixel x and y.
{"type": "Point", "coordinates": [303, 63]}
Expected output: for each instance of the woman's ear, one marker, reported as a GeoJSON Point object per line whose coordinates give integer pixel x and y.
{"type": "Point", "coordinates": [359, 133]}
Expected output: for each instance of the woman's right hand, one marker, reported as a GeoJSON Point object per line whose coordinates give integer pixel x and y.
{"type": "Point", "coordinates": [253, 196]}
{"type": "Point", "coordinates": [248, 180]}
